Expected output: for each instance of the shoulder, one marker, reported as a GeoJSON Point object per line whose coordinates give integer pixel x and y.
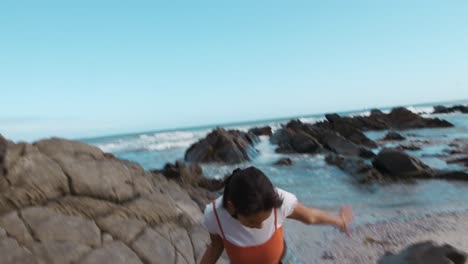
{"type": "Point", "coordinates": [209, 218]}
{"type": "Point", "coordinates": [289, 202]}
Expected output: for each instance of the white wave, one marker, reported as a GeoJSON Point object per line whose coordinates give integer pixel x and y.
{"type": "Point", "coordinates": [362, 113]}
{"type": "Point", "coordinates": [154, 142]}
{"type": "Point", "coordinates": [421, 109]}
{"type": "Point", "coordinates": [311, 120]}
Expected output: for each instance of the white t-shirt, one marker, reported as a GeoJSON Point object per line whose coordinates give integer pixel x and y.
{"type": "Point", "coordinates": [241, 235]}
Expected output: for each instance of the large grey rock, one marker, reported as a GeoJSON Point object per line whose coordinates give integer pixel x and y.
{"type": "Point", "coordinates": [115, 253]}
{"type": "Point", "coordinates": [91, 173]}
{"type": "Point", "coordinates": [153, 247]}
{"type": "Point", "coordinates": [66, 202]}
{"type": "Point", "coordinates": [122, 228]}
{"type": "Point", "coordinates": [15, 227]}
{"type": "Point", "coordinates": [59, 252]}
{"type": "Point", "coordinates": [12, 253]}
{"type": "Point", "coordinates": [33, 178]}
{"type": "Point", "coordinates": [47, 225]}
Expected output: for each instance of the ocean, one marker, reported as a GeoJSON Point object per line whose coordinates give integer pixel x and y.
{"type": "Point", "coordinates": [313, 181]}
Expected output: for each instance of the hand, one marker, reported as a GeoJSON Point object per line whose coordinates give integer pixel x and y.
{"type": "Point", "coordinates": [346, 215]}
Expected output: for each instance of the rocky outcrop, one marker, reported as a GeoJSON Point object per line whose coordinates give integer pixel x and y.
{"type": "Point", "coordinates": [67, 202]}
{"type": "Point", "coordinates": [283, 162]}
{"type": "Point", "coordinates": [426, 253]}
{"type": "Point", "coordinates": [390, 165]}
{"type": "Point", "coordinates": [399, 118]}
{"type": "Point", "coordinates": [440, 109]}
{"type": "Point", "coordinates": [347, 130]}
{"type": "Point", "coordinates": [392, 135]}
{"type": "Point", "coordinates": [222, 146]}
{"type": "Point", "coordinates": [261, 131]}
{"type": "Point", "coordinates": [297, 137]}
{"type": "Point", "coordinates": [295, 141]}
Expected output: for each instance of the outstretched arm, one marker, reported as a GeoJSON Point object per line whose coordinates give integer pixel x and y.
{"type": "Point", "coordinates": [312, 216]}
{"type": "Point", "coordinates": [213, 251]}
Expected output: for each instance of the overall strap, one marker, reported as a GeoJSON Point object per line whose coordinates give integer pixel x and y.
{"type": "Point", "coordinates": [275, 220]}
{"type": "Point", "coordinates": [217, 220]}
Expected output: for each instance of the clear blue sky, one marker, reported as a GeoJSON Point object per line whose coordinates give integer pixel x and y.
{"type": "Point", "coordinates": [93, 69]}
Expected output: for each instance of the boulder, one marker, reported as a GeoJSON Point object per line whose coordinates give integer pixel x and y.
{"type": "Point", "coordinates": [261, 131]}
{"type": "Point", "coordinates": [392, 135]}
{"type": "Point", "coordinates": [359, 169]}
{"type": "Point", "coordinates": [222, 146]}
{"type": "Point", "coordinates": [292, 141]}
{"type": "Point", "coordinates": [283, 162]}
{"type": "Point", "coordinates": [397, 164]}
{"type": "Point", "coordinates": [426, 252]}
{"type": "Point", "coordinates": [64, 201]}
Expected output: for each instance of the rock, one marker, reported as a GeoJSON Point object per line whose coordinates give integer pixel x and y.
{"type": "Point", "coordinates": [90, 173]}
{"type": "Point", "coordinates": [397, 164]}
{"type": "Point", "coordinates": [12, 253]}
{"type": "Point", "coordinates": [121, 228]}
{"type": "Point", "coordinates": [439, 109]}
{"type": "Point", "coordinates": [290, 141]}
{"type": "Point", "coordinates": [66, 202]}
{"type": "Point", "coordinates": [115, 252]}
{"type": "Point", "coordinates": [32, 179]}
{"type": "Point", "coordinates": [152, 247]}
{"type": "Point", "coordinates": [60, 252]}
{"type": "Point", "coordinates": [284, 162]}
{"type": "Point", "coordinates": [297, 137]}
{"type": "Point", "coordinates": [222, 146]}
{"type": "Point", "coordinates": [15, 227]}
{"type": "Point", "coordinates": [426, 253]}
{"type": "Point", "coordinates": [261, 131]}
{"type": "Point", "coordinates": [3, 150]}
{"type": "Point", "coordinates": [359, 169]}
{"type": "Point", "coordinates": [47, 225]}
{"type": "Point", "coordinates": [392, 135]}
{"type": "Point", "coordinates": [399, 118]}
{"type": "Point", "coordinates": [452, 175]}
{"type": "Point", "coordinates": [348, 131]}
{"type": "Point", "coordinates": [411, 146]}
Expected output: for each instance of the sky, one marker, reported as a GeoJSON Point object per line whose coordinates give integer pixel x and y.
{"type": "Point", "coordinates": [80, 69]}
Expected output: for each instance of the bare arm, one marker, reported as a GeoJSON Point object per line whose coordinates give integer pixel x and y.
{"type": "Point", "coordinates": [312, 216]}
{"type": "Point", "coordinates": [213, 251]}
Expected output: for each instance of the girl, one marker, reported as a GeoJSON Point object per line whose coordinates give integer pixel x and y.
{"type": "Point", "coordinates": [247, 221]}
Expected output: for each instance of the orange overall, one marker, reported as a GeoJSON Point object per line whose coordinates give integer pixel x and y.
{"type": "Point", "coordinates": [270, 252]}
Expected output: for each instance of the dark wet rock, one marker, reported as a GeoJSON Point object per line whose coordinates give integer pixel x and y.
{"type": "Point", "coordinates": [459, 159]}
{"type": "Point", "coordinates": [64, 201]}
{"type": "Point", "coordinates": [222, 146]}
{"type": "Point", "coordinates": [440, 109]}
{"type": "Point", "coordinates": [295, 141]}
{"type": "Point", "coordinates": [297, 137]}
{"type": "Point", "coordinates": [261, 131]}
{"type": "Point", "coordinates": [410, 146]}
{"type": "Point", "coordinates": [399, 118]}
{"type": "Point", "coordinates": [348, 130]}
{"type": "Point", "coordinates": [392, 135]}
{"type": "Point", "coordinates": [397, 164]}
{"type": "Point", "coordinates": [452, 175]}
{"type": "Point", "coordinates": [363, 172]}
{"type": "Point", "coordinates": [427, 252]}
{"type": "Point", "coordinates": [284, 162]}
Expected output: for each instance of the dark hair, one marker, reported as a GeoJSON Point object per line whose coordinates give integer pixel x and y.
{"type": "Point", "coordinates": [250, 191]}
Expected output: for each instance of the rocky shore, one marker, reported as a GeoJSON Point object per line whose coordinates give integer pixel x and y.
{"type": "Point", "coordinates": [64, 201]}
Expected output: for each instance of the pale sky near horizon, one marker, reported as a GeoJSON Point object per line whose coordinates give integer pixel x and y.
{"type": "Point", "coordinates": [88, 69]}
